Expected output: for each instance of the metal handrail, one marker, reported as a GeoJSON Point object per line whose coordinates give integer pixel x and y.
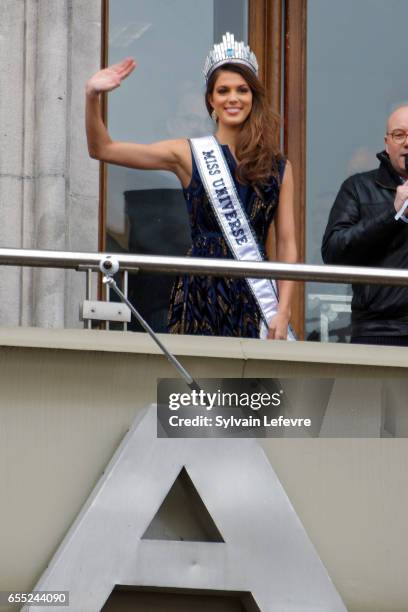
{"type": "Point", "coordinates": [205, 266]}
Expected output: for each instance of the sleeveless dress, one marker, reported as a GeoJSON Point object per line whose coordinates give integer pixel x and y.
{"type": "Point", "coordinates": [218, 306]}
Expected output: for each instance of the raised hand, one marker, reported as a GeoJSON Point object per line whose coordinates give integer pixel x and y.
{"type": "Point", "coordinates": [111, 77]}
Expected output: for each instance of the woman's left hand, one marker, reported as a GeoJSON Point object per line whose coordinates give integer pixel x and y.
{"type": "Point", "coordinates": [278, 327]}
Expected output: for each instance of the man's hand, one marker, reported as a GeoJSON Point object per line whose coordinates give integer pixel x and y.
{"type": "Point", "coordinates": [278, 327]}
{"type": "Point", "coordinates": [111, 77]}
{"type": "Point", "coordinates": [401, 197]}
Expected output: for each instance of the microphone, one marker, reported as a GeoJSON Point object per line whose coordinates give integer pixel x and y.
{"type": "Point", "coordinates": [400, 213]}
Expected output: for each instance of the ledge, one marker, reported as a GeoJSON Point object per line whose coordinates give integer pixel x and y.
{"type": "Point", "coordinates": [204, 346]}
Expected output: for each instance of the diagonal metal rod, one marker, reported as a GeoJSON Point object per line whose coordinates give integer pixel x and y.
{"type": "Point", "coordinates": [194, 386]}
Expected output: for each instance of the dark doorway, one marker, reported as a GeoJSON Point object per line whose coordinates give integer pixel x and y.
{"type": "Point", "coordinates": [133, 600]}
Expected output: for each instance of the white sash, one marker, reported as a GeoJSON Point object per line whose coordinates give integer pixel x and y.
{"type": "Point", "coordinates": [222, 194]}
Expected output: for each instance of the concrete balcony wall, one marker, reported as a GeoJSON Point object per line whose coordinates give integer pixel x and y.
{"type": "Point", "coordinates": [69, 396]}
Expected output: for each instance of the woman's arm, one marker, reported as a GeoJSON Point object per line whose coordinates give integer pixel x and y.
{"type": "Point", "coordinates": [286, 251]}
{"type": "Point", "coordinates": [171, 155]}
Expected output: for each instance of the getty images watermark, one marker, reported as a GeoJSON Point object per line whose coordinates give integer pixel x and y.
{"type": "Point", "coordinates": [227, 407]}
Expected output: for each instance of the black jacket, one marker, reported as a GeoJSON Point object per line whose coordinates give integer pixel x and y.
{"type": "Point", "coordinates": [362, 231]}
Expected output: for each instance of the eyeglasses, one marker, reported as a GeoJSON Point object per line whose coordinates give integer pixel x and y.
{"type": "Point", "coordinates": [398, 136]}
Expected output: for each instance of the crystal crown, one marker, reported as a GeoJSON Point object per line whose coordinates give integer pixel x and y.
{"type": "Point", "coordinates": [229, 51]}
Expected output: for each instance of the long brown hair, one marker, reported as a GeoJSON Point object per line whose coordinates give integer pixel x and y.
{"type": "Point", "coordinates": [257, 147]}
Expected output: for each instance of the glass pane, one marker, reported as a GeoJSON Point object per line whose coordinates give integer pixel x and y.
{"type": "Point", "coordinates": [162, 99]}
{"type": "Point", "coordinates": [355, 78]}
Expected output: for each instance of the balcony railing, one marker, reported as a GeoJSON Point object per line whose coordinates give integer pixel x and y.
{"type": "Point", "coordinates": [205, 266]}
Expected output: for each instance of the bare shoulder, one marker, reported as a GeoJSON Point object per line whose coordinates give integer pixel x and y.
{"type": "Point", "coordinates": [181, 148]}
{"type": "Point", "coordinates": [288, 170]}
{"type": "Point", "coordinates": [287, 177]}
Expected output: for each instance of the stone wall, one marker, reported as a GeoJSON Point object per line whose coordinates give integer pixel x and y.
{"type": "Point", "coordinates": [48, 184]}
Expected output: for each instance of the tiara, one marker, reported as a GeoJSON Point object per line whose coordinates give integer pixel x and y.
{"type": "Point", "coordinates": [229, 52]}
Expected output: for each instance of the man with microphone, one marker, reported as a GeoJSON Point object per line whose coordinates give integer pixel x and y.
{"type": "Point", "coordinates": [368, 226]}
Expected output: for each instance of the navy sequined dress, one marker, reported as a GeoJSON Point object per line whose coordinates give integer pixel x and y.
{"type": "Point", "coordinates": [218, 306]}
